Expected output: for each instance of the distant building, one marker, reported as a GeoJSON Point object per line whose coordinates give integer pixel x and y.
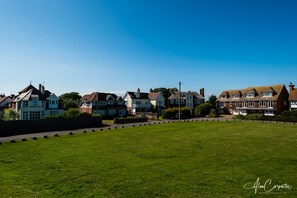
{"type": "Point", "coordinates": [188, 99]}
{"type": "Point", "coordinates": [4, 103]}
{"type": "Point", "coordinates": [267, 100]}
{"type": "Point", "coordinates": [105, 104]}
{"type": "Point", "coordinates": [34, 104]}
{"type": "Point", "coordinates": [137, 102]}
{"type": "Point", "coordinates": [293, 98]}
{"type": "Point", "coordinates": [157, 101]}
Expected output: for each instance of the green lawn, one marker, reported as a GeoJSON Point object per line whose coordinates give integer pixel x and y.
{"type": "Point", "coordinates": [202, 159]}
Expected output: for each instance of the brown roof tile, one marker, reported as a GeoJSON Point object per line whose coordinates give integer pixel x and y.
{"type": "Point", "coordinates": [293, 95]}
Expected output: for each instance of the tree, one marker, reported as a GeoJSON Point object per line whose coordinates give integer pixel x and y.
{"type": "Point", "coordinates": [71, 100]}
{"type": "Point", "coordinates": [203, 109]}
{"type": "Point", "coordinates": [10, 114]}
{"type": "Point", "coordinates": [212, 100]}
{"type": "Point", "coordinates": [72, 113]}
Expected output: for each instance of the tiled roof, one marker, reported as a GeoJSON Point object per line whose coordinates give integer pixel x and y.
{"type": "Point", "coordinates": [183, 95]}
{"type": "Point", "coordinates": [30, 91]}
{"type": "Point", "coordinates": [258, 91]}
{"type": "Point", "coordinates": [154, 95]}
{"type": "Point", "coordinates": [97, 96]}
{"type": "Point", "coordinates": [142, 95]}
{"type": "Point", "coordinates": [293, 95]}
{"type": "Point", "coordinates": [3, 99]}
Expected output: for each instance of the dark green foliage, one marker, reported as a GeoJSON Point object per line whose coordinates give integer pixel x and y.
{"type": "Point", "coordinates": [54, 117]}
{"type": "Point", "coordinates": [72, 113]}
{"type": "Point", "coordinates": [289, 113]}
{"type": "Point", "coordinates": [96, 115]}
{"type": "Point", "coordinates": [172, 113]}
{"type": "Point", "coordinates": [71, 100]}
{"type": "Point", "coordinates": [10, 114]}
{"type": "Point", "coordinates": [285, 117]}
{"type": "Point", "coordinates": [212, 100]}
{"type": "Point", "coordinates": [203, 109]}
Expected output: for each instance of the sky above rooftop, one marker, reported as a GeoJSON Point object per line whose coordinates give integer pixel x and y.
{"type": "Point", "coordinates": [118, 46]}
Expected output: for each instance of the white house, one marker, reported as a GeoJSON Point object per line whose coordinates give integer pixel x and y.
{"type": "Point", "coordinates": [34, 104]}
{"type": "Point", "coordinates": [157, 101]}
{"type": "Point", "coordinates": [137, 102]}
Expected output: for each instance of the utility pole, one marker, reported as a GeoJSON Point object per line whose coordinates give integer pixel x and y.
{"type": "Point", "coordinates": [179, 98]}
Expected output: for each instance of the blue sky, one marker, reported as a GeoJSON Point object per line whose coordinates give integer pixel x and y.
{"type": "Point", "coordinates": [115, 46]}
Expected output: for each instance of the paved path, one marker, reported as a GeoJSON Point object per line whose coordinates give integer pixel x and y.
{"type": "Point", "coordinates": [104, 128]}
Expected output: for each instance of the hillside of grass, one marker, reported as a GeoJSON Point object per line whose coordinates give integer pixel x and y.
{"type": "Point", "coordinates": [201, 159]}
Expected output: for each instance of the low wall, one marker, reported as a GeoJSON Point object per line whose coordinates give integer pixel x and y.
{"type": "Point", "coordinates": [129, 120]}
{"type": "Point", "coordinates": [18, 127]}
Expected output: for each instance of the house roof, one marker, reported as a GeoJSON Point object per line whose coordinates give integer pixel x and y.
{"type": "Point", "coordinates": [154, 95]}
{"type": "Point", "coordinates": [142, 95]}
{"type": "Point", "coordinates": [31, 91]}
{"type": "Point", "coordinates": [258, 91]}
{"type": "Point", "coordinates": [97, 96]}
{"type": "Point", "coordinates": [293, 95]}
{"type": "Point", "coordinates": [3, 99]}
{"type": "Point", "coordinates": [183, 95]}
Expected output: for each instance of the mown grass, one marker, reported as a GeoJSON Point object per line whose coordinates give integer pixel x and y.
{"type": "Point", "coordinates": [205, 159]}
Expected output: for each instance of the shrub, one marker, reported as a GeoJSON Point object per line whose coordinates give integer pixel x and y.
{"type": "Point", "coordinates": [240, 117]}
{"type": "Point", "coordinates": [254, 117]}
{"type": "Point", "coordinates": [96, 116]}
{"type": "Point", "coordinates": [85, 115]}
{"type": "Point", "coordinates": [10, 114]}
{"type": "Point", "coordinates": [172, 113]}
{"type": "Point", "coordinates": [212, 114]}
{"type": "Point", "coordinates": [72, 113]}
{"type": "Point", "coordinates": [54, 117]}
{"type": "Point", "coordinates": [203, 109]}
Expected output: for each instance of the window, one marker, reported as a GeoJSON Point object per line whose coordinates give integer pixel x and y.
{"type": "Point", "coordinates": [25, 115]}
{"type": "Point", "coordinates": [177, 101]}
{"type": "Point", "coordinates": [251, 104]}
{"type": "Point", "coordinates": [230, 104]}
{"type": "Point", "coordinates": [244, 104]}
{"type": "Point", "coordinates": [138, 102]}
{"type": "Point", "coordinates": [34, 115]}
{"type": "Point", "coordinates": [25, 104]}
{"type": "Point", "coordinates": [171, 101]}
{"type": "Point", "coordinates": [270, 104]}
{"type": "Point", "coordinates": [182, 102]}
{"type": "Point", "coordinates": [236, 97]}
{"type": "Point", "coordinates": [224, 97]}
{"type": "Point", "coordinates": [237, 104]}
{"type": "Point", "coordinates": [35, 102]}
{"type": "Point", "coordinates": [262, 104]}
{"type": "Point", "coordinates": [43, 103]}
{"type": "Point", "coordinates": [53, 112]}
{"type": "Point", "coordinates": [267, 94]}
{"type": "Point", "coordinates": [250, 95]}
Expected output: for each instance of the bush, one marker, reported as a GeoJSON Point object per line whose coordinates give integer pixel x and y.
{"type": "Point", "coordinates": [172, 113]}
{"type": "Point", "coordinates": [254, 117]}
{"type": "Point", "coordinates": [85, 115]}
{"type": "Point", "coordinates": [10, 114]}
{"type": "Point", "coordinates": [96, 116]}
{"type": "Point", "coordinates": [203, 109]}
{"type": "Point", "coordinates": [52, 117]}
{"type": "Point", "coordinates": [240, 117]}
{"type": "Point", "coordinates": [72, 113]}
{"type": "Point", "coordinates": [290, 113]}
{"type": "Point", "coordinates": [212, 114]}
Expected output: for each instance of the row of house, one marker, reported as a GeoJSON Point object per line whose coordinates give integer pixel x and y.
{"type": "Point", "coordinates": [266, 100]}
{"type": "Point", "coordinates": [32, 103]}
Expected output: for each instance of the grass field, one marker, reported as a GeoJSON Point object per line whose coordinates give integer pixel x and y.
{"type": "Point", "coordinates": [204, 159]}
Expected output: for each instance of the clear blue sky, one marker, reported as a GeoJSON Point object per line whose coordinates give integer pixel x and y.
{"type": "Point", "coordinates": [120, 45]}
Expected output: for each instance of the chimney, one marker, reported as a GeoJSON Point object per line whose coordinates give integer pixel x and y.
{"type": "Point", "coordinates": [291, 87]}
{"type": "Point", "coordinates": [137, 94]}
{"type": "Point", "coordinates": [41, 88]}
{"type": "Point", "coordinates": [202, 92]}
{"type": "Point", "coordinates": [2, 95]}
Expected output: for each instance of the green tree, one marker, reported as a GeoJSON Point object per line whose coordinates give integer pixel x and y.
{"type": "Point", "coordinates": [70, 100]}
{"type": "Point", "coordinates": [212, 100]}
{"type": "Point", "coordinates": [10, 114]}
{"type": "Point", "coordinates": [203, 109]}
{"type": "Point", "coordinates": [72, 113]}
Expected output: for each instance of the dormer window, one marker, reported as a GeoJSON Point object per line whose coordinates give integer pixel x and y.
{"type": "Point", "coordinates": [250, 95]}
{"type": "Point", "coordinates": [224, 97]}
{"type": "Point", "coordinates": [267, 94]}
{"type": "Point", "coordinates": [236, 97]}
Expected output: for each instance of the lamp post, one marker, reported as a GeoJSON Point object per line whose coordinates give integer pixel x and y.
{"type": "Point", "coordinates": [179, 97]}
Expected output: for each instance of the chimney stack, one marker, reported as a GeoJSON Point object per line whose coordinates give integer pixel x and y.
{"type": "Point", "coordinates": [2, 95]}
{"type": "Point", "coordinates": [41, 88]}
{"type": "Point", "coordinates": [291, 87]}
{"type": "Point", "coordinates": [202, 92]}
